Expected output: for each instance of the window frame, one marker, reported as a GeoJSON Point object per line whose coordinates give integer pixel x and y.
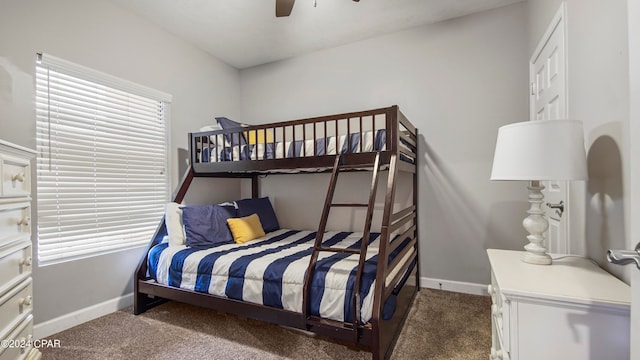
{"type": "Point", "coordinates": [52, 64]}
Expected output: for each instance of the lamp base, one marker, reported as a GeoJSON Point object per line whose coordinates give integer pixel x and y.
{"type": "Point", "coordinates": [537, 259]}
{"type": "Point", "coordinates": [536, 224]}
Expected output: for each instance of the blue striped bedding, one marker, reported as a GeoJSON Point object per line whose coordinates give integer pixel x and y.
{"type": "Point", "coordinates": [270, 271]}
{"type": "Point", "coordinates": [299, 148]}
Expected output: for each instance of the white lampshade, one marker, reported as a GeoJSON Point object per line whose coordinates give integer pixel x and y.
{"type": "Point", "coordinates": [540, 150]}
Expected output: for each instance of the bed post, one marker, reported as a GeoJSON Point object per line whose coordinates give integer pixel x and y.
{"type": "Point", "coordinates": [142, 302]}
{"type": "Point", "coordinates": [403, 140]}
{"type": "Point", "coordinates": [416, 186]}
{"type": "Point", "coordinates": [379, 348]}
{"type": "Point", "coordinates": [255, 186]}
{"type": "Point", "coordinates": [181, 191]}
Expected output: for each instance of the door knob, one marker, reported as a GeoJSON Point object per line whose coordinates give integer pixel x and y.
{"type": "Point", "coordinates": [559, 207]}
{"type": "Point", "coordinates": [624, 257]}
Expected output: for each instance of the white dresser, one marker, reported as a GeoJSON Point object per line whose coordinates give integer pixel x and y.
{"type": "Point", "coordinates": [570, 310]}
{"type": "Point", "coordinates": [16, 319]}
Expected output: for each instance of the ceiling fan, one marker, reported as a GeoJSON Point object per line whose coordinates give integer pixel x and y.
{"type": "Point", "coordinates": [284, 7]}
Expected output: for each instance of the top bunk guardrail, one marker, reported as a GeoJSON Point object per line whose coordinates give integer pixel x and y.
{"type": "Point", "coordinates": [306, 144]}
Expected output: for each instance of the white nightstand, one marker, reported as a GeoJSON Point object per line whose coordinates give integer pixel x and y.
{"type": "Point", "coordinates": [570, 310]}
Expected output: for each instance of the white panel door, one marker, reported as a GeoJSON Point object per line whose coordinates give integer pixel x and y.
{"type": "Point", "coordinates": [548, 101]}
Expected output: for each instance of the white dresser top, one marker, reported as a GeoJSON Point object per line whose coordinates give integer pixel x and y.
{"type": "Point", "coordinates": [573, 279]}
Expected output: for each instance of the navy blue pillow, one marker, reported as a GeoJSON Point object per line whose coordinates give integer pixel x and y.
{"type": "Point", "coordinates": [228, 124]}
{"type": "Point", "coordinates": [262, 207]}
{"type": "Point", "coordinates": [206, 226]}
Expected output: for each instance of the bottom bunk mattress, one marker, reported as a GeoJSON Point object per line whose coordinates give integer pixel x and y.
{"type": "Point", "coordinates": [271, 271]}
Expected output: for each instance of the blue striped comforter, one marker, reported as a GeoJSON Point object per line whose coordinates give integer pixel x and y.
{"type": "Point", "coordinates": [330, 146]}
{"type": "Point", "coordinates": [271, 271]}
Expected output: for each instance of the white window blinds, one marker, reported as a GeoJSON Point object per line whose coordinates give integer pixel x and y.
{"type": "Point", "coordinates": [102, 161]}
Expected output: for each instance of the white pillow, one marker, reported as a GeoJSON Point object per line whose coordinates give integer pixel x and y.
{"type": "Point", "coordinates": [212, 127]}
{"type": "Point", "coordinates": [173, 222]}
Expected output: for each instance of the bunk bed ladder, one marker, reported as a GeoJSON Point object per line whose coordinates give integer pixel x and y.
{"type": "Point", "coordinates": [372, 162]}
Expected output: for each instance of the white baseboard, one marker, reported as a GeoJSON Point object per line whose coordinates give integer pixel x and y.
{"type": "Point", "coordinates": [456, 286]}
{"type": "Point", "coordinates": [64, 322]}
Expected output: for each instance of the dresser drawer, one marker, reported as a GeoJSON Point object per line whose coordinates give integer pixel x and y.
{"type": "Point", "coordinates": [16, 176]}
{"type": "Point", "coordinates": [15, 222]}
{"type": "Point", "coordinates": [15, 265]}
{"type": "Point", "coordinates": [15, 305]}
{"type": "Point", "coordinates": [20, 336]}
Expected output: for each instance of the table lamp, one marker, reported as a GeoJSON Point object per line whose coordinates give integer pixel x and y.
{"type": "Point", "coordinates": [535, 151]}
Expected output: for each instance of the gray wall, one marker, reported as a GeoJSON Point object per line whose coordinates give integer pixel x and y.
{"type": "Point", "coordinates": [298, 199]}
{"type": "Point", "coordinates": [598, 84]}
{"type": "Point", "coordinates": [104, 37]}
{"type": "Point", "coordinates": [457, 81]}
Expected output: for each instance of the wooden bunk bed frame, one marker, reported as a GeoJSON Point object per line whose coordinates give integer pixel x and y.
{"type": "Point", "coordinates": [398, 155]}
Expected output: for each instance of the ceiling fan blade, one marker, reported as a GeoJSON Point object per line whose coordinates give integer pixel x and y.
{"type": "Point", "coordinates": [284, 7]}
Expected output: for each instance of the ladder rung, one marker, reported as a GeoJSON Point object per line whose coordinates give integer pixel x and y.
{"type": "Point", "coordinates": [339, 250]}
{"type": "Point", "coordinates": [349, 205]}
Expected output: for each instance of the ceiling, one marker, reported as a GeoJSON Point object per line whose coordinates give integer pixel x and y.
{"type": "Point", "coordinates": [245, 33]}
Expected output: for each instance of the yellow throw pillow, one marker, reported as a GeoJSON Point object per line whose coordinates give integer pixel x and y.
{"type": "Point", "coordinates": [245, 228]}
{"type": "Point", "coordinates": [261, 139]}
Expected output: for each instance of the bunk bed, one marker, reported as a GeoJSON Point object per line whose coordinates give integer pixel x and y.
{"type": "Point", "coordinates": [374, 266]}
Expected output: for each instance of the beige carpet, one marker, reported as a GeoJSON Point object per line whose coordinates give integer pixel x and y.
{"type": "Point", "coordinates": [441, 325]}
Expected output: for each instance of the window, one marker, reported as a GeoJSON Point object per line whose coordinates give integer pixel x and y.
{"type": "Point", "coordinates": [102, 161]}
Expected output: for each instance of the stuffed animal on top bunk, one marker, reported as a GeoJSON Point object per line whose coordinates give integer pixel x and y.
{"type": "Point", "coordinates": [241, 138]}
{"type": "Point", "coordinates": [237, 145]}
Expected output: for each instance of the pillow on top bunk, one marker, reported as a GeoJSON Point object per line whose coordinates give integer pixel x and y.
{"type": "Point", "coordinates": [246, 137]}
{"type": "Point", "coordinates": [246, 228]}
{"type": "Point", "coordinates": [259, 136]}
{"type": "Point", "coordinates": [228, 124]}
{"type": "Point", "coordinates": [206, 226]}
{"type": "Point", "coordinates": [262, 207]}
{"type": "Point", "coordinates": [173, 222]}
{"type": "Point", "coordinates": [212, 127]}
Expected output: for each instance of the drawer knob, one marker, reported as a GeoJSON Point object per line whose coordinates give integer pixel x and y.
{"type": "Point", "coordinates": [496, 311]}
{"type": "Point", "coordinates": [24, 221]}
{"type": "Point", "coordinates": [26, 261]}
{"type": "Point", "coordinates": [18, 177]}
{"type": "Point", "coordinates": [26, 301]}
